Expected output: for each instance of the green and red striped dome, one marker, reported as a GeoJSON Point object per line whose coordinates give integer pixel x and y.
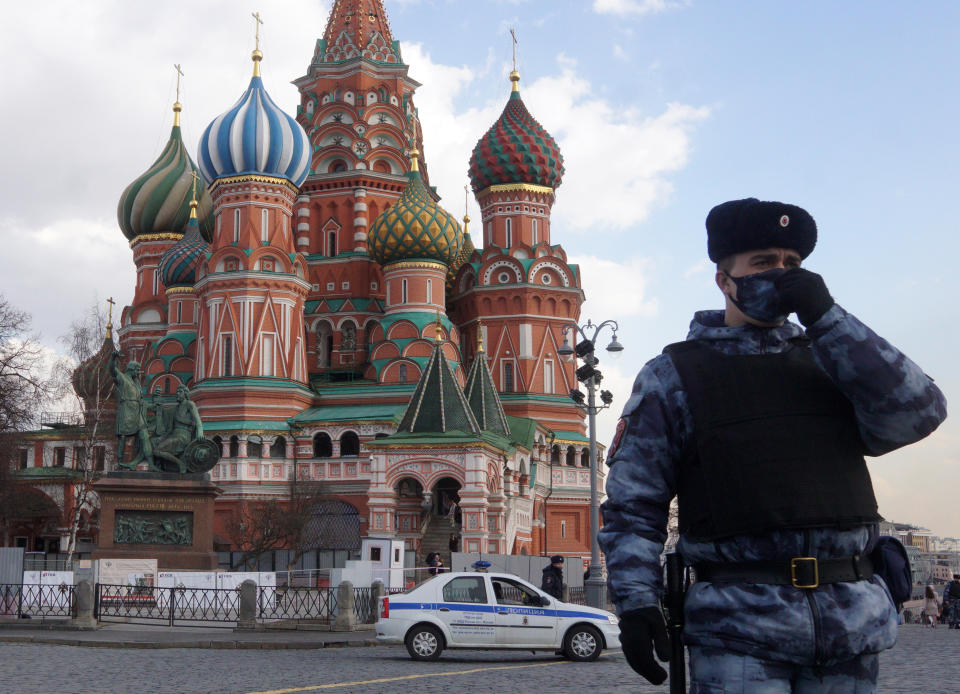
{"type": "Point", "coordinates": [516, 149]}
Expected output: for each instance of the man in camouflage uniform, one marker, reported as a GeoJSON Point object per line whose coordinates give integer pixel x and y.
{"type": "Point", "coordinates": [756, 621]}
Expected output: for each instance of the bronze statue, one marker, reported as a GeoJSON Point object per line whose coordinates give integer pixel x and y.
{"type": "Point", "coordinates": [173, 436]}
{"type": "Point", "coordinates": [131, 420]}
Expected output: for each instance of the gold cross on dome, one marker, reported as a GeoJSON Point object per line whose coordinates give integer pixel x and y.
{"type": "Point", "coordinates": [176, 66]}
{"type": "Point", "coordinates": [110, 309]}
{"type": "Point", "coordinates": [256, 16]}
{"type": "Point", "coordinates": [466, 198]}
{"type": "Point", "coordinates": [195, 178]}
{"type": "Point", "coordinates": [514, 37]}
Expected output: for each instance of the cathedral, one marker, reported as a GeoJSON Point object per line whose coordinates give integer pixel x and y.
{"type": "Point", "coordinates": [334, 323]}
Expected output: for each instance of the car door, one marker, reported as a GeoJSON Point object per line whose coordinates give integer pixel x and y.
{"type": "Point", "coordinates": [520, 617]}
{"type": "Point", "coordinates": [465, 609]}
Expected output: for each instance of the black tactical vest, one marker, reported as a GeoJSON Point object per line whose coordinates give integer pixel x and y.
{"type": "Point", "coordinates": [775, 445]}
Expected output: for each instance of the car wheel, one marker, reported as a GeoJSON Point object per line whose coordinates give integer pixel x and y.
{"type": "Point", "coordinates": [582, 644]}
{"type": "Point", "coordinates": [424, 642]}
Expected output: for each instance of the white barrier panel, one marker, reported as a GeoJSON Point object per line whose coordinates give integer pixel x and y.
{"type": "Point", "coordinates": [182, 579]}
{"type": "Point", "coordinates": [31, 597]}
{"type": "Point", "coordinates": [231, 580]}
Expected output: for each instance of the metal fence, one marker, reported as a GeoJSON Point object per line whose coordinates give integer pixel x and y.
{"type": "Point", "coordinates": [170, 606]}
{"type": "Point", "coordinates": [365, 605]}
{"type": "Point", "coordinates": [314, 604]}
{"type": "Point", "coordinates": [578, 596]}
{"type": "Point", "coordinates": [42, 601]}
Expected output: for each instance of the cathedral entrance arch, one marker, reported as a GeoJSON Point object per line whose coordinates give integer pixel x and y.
{"type": "Point", "coordinates": [446, 493]}
{"type": "Point", "coordinates": [411, 505]}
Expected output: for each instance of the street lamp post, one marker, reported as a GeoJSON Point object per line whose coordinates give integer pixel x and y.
{"type": "Point", "coordinates": [591, 377]}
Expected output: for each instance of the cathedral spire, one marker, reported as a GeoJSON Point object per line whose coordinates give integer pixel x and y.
{"type": "Point", "coordinates": [482, 395]}
{"type": "Point", "coordinates": [438, 405]}
{"type": "Point", "coordinates": [358, 28]}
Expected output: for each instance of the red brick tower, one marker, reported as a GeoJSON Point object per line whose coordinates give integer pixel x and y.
{"type": "Point", "coordinates": [357, 109]}
{"type": "Point", "coordinates": [520, 285]}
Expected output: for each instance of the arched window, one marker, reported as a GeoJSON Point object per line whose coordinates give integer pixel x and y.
{"type": "Point", "coordinates": [509, 232]}
{"type": "Point", "coordinates": [236, 225]}
{"type": "Point", "coordinates": [382, 165]}
{"type": "Point", "coordinates": [234, 446]}
{"type": "Point", "coordinates": [533, 232]}
{"type": "Point", "coordinates": [585, 458]}
{"type": "Point", "coordinates": [429, 291]}
{"type": "Point", "coordinates": [349, 444]}
{"type": "Point", "coordinates": [332, 244]}
{"type": "Point", "coordinates": [278, 449]}
{"type": "Point", "coordinates": [324, 344]}
{"type": "Point", "coordinates": [322, 445]}
{"type": "Point", "coordinates": [265, 225]}
{"type": "Point", "coordinates": [508, 377]}
{"type": "Point", "coordinates": [402, 371]}
{"type": "Point", "coordinates": [337, 166]}
{"type": "Point", "coordinates": [217, 440]}
{"type": "Point", "coordinates": [571, 456]}
{"type": "Point", "coordinates": [555, 455]}
{"type": "Point", "coordinates": [403, 291]}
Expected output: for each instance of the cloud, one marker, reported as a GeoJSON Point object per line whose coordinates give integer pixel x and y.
{"type": "Point", "coordinates": [616, 289]}
{"type": "Point", "coordinates": [698, 268]}
{"type": "Point", "coordinates": [619, 53]}
{"type": "Point", "coordinates": [611, 154]}
{"type": "Point", "coordinates": [625, 7]}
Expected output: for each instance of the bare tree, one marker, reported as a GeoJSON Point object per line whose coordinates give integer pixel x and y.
{"type": "Point", "coordinates": [84, 376]}
{"type": "Point", "coordinates": [23, 386]}
{"type": "Point", "coordinates": [263, 526]}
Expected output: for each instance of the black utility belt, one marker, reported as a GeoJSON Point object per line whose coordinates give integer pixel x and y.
{"type": "Point", "coordinates": [800, 572]}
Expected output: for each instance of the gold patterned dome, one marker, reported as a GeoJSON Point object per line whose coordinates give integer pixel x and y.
{"type": "Point", "coordinates": [415, 227]}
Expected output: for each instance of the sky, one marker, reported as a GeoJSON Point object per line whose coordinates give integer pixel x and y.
{"type": "Point", "coordinates": [661, 108]}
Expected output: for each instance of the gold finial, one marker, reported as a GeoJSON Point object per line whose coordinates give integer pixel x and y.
{"type": "Point", "coordinates": [193, 199]}
{"type": "Point", "coordinates": [414, 159]}
{"type": "Point", "coordinates": [111, 302]}
{"type": "Point", "coordinates": [479, 336]}
{"type": "Point", "coordinates": [514, 75]}
{"type": "Point", "coordinates": [257, 55]}
{"type": "Point", "coordinates": [176, 105]}
{"type": "Point", "coordinates": [439, 328]}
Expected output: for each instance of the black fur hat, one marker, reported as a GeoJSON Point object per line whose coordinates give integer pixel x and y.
{"type": "Point", "coordinates": [749, 224]}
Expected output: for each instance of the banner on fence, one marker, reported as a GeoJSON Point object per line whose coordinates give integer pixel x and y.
{"type": "Point", "coordinates": [126, 572]}
{"type": "Point", "coordinates": [528, 567]}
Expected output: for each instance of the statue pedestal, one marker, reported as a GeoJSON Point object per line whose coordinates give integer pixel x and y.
{"type": "Point", "coordinates": [157, 514]}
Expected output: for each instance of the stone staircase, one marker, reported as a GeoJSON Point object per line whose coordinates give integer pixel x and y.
{"type": "Point", "coordinates": [436, 538]}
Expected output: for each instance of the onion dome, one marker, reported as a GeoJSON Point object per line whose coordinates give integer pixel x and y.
{"type": "Point", "coordinates": [157, 202]}
{"type": "Point", "coordinates": [255, 137]}
{"type": "Point", "coordinates": [516, 149]}
{"type": "Point", "coordinates": [178, 266]}
{"type": "Point", "coordinates": [463, 256]}
{"type": "Point", "coordinates": [92, 379]}
{"type": "Point", "coordinates": [415, 226]}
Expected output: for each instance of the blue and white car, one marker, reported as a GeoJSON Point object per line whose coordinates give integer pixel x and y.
{"type": "Point", "coordinates": [492, 610]}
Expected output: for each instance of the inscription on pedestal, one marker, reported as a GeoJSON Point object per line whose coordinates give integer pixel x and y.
{"type": "Point", "coordinates": [134, 527]}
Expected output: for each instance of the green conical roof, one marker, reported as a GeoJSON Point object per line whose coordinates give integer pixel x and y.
{"type": "Point", "coordinates": [438, 405]}
{"type": "Point", "coordinates": [483, 398]}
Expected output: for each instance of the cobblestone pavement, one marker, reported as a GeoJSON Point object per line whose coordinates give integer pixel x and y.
{"type": "Point", "coordinates": [34, 669]}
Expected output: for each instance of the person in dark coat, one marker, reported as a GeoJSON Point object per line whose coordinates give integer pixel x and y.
{"type": "Point", "coordinates": [552, 582]}
{"type": "Point", "coordinates": [784, 599]}
{"type": "Point", "coordinates": [951, 602]}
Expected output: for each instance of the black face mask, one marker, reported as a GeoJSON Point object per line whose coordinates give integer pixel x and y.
{"type": "Point", "coordinates": [757, 296]}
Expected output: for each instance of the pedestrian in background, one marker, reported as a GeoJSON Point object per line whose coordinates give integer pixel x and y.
{"type": "Point", "coordinates": [552, 582]}
{"type": "Point", "coordinates": [931, 605]}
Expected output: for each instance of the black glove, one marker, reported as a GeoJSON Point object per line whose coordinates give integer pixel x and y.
{"type": "Point", "coordinates": [804, 293]}
{"type": "Point", "coordinates": [642, 631]}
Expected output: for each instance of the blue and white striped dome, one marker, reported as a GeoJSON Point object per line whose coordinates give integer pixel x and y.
{"type": "Point", "coordinates": [255, 137]}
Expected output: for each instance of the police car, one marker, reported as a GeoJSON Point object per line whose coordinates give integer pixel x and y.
{"type": "Point", "coordinates": [491, 610]}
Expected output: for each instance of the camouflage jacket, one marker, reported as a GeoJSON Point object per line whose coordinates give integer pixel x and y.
{"type": "Point", "coordinates": [895, 404]}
